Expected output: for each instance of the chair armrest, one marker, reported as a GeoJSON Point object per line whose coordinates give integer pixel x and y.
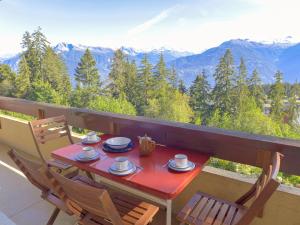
{"type": "Point", "coordinates": [58, 164]}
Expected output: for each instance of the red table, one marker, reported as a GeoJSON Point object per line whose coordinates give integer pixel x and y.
{"type": "Point", "coordinates": [153, 178]}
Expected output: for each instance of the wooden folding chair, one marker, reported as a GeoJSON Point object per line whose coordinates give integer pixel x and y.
{"type": "Point", "coordinates": [34, 172]}
{"type": "Point", "coordinates": [95, 206]}
{"type": "Point", "coordinates": [49, 129]}
{"type": "Point", "coordinates": [206, 209]}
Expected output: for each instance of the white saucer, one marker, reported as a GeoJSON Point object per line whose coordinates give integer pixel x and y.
{"type": "Point", "coordinates": [83, 158]}
{"type": "Point", "coordinates": [131, 169]}
{"type": "Point", "coordinates": [86, 141]}
{"type": "Point", "coordinates": [172, 166]}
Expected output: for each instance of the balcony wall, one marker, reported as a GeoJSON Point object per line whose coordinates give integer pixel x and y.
{"type": "Point", "coordinates": [282, 209]}
{"type": "Point", "coordinates": [16, 134]}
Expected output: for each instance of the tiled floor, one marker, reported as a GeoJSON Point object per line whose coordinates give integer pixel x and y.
{"type": "Point", "coordinates": [20, 202]}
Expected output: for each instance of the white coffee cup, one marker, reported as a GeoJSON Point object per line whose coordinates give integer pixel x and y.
{"type": "Point", "coordinates": [89, 151]}
{"type": "Point", "coordinates": [181, 160]}
{"type": "Point", "coordinates": [91, 136]}
{"type": "Point", "coordinates": [121, 163]}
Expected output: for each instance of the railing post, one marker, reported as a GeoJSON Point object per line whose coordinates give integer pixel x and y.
{"type": "Point", "coordinates": [263, 158]}
{"type": "Point", "coordinates": [41, 114]}
{"type": "Point", "coordinates": [114, 129]}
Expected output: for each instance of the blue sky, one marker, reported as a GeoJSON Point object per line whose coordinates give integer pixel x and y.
{"type": "Point", "coordinates": [192, 25]}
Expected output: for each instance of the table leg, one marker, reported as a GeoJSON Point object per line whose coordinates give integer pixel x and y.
{"type": "Point", "coordinates": [89, 175]}
{"type": "Point", "coordinates": [169, 212]}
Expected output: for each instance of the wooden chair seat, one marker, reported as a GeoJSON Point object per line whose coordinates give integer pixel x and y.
{"type": "Point", "coordinates": [58, 164]}
{"type": "Point", "coordinates": [208, 210]}
{"type": "Point", "coordinates": [132, 212]}
{"type": "Point", "coordinates": [203, 209]}
{"type": "Point", "coordinates": [86, 181]}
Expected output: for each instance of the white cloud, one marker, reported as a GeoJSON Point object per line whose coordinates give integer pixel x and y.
{"type": "Point", "coordinates": [153, 21]}
{"type": "Point", "coordinates": [266, 22]}
{"type": "Point", "coordinates": [185, 26]}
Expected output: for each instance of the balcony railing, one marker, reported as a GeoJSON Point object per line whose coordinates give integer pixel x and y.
{"type": "Point", "coordinates": [229, 145]}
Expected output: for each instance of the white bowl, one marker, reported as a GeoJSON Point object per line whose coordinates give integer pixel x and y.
{"type": "Point", "coordinates": [118, 142]}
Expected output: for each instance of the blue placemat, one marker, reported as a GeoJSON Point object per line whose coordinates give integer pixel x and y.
{"type": "Point", "coordinates": [106, 148]}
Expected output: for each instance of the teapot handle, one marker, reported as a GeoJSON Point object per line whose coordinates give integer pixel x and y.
{"type": "Point", "coordinates": [152, 142]}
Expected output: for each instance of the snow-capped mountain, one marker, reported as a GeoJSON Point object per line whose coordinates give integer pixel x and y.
{"type": "Point", "coordinates": [12, 61]}
{"type": "Point", "coordinates": [71, 55]}
{"type": "Point", "coordinates": [103, 56]}
{"type": "Point", "coordinates": [267, 58]}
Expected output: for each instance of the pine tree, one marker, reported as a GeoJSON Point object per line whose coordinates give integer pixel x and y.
{"type": "Point", "coordinates": [7, 80]}
{"type": "Point", "coordinates": [3, 72]}
{"type": "Point", "coordinates": [160, 69]}
{"type": "Point", "coordinates": [34, 46]}
{"type": "Point", "coordinates": [173, 78]}
{"type": "Point", "coordinates": [29, 54]}
{"type": "Point", "coordinates": [144, 85]}
{"type": "Point", "coordinates": [200, 96]}
{"type": "Point", "coordinates": [117, 74]}
{"type": "Point", "coordinates": [23, 79]}
{"type": "Point", "coordinates": [256, 89]}
{"type": "Point", "coordinates": [131, 86]}
{"type": "Point", "coordinates": [27, 44]}
{"type": "Point", "coordinates": [55, 72]}
{"type": "Point", "coordinates": [160, 74]}
{"type": "Point", "coordinates": [277, 97]}
{"type": "Point", "coordinates": [39, 43]}
{"type": "Point", "coordinates": [293, 112]}
{"type": "Point", "coordinates": [181, 87]}
{"type": "Point", "coordinates": [241, 89]}
{"type": "Point", "coordinates": [87, 74]}
{"type": "Point", "coordinates": [241, 81]}
{"type": "Point", "coordinates": [222, 92]}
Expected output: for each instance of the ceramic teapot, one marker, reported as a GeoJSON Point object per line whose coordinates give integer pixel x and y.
{"type": "Point", "coordinates": [147, 145]}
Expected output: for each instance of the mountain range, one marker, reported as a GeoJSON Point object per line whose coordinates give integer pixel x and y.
{"type": "Point", "coordinates": [266, 58]}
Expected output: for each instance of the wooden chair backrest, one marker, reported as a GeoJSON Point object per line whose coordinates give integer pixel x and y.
{"type": "Point", "coordinates": [85, 198]}
{"type": "Point", "coordinates": [45, 130]}
{"type": "Point", "coordinates": [262, 190]}
{"type": "Point", "coordinates": [33, 170]}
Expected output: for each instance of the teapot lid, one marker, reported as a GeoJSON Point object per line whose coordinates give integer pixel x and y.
{"type": "Point", "coordinates": [145, 137]}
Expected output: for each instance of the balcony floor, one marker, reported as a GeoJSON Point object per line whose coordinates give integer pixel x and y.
{"type": "Point", "coordinates": [20, 202]}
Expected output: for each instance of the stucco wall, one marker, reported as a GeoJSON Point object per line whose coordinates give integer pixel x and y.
{"type": "Point", "coordinates": [282, 209]}
{"type": "Point", "coordinates": [16, 134]}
